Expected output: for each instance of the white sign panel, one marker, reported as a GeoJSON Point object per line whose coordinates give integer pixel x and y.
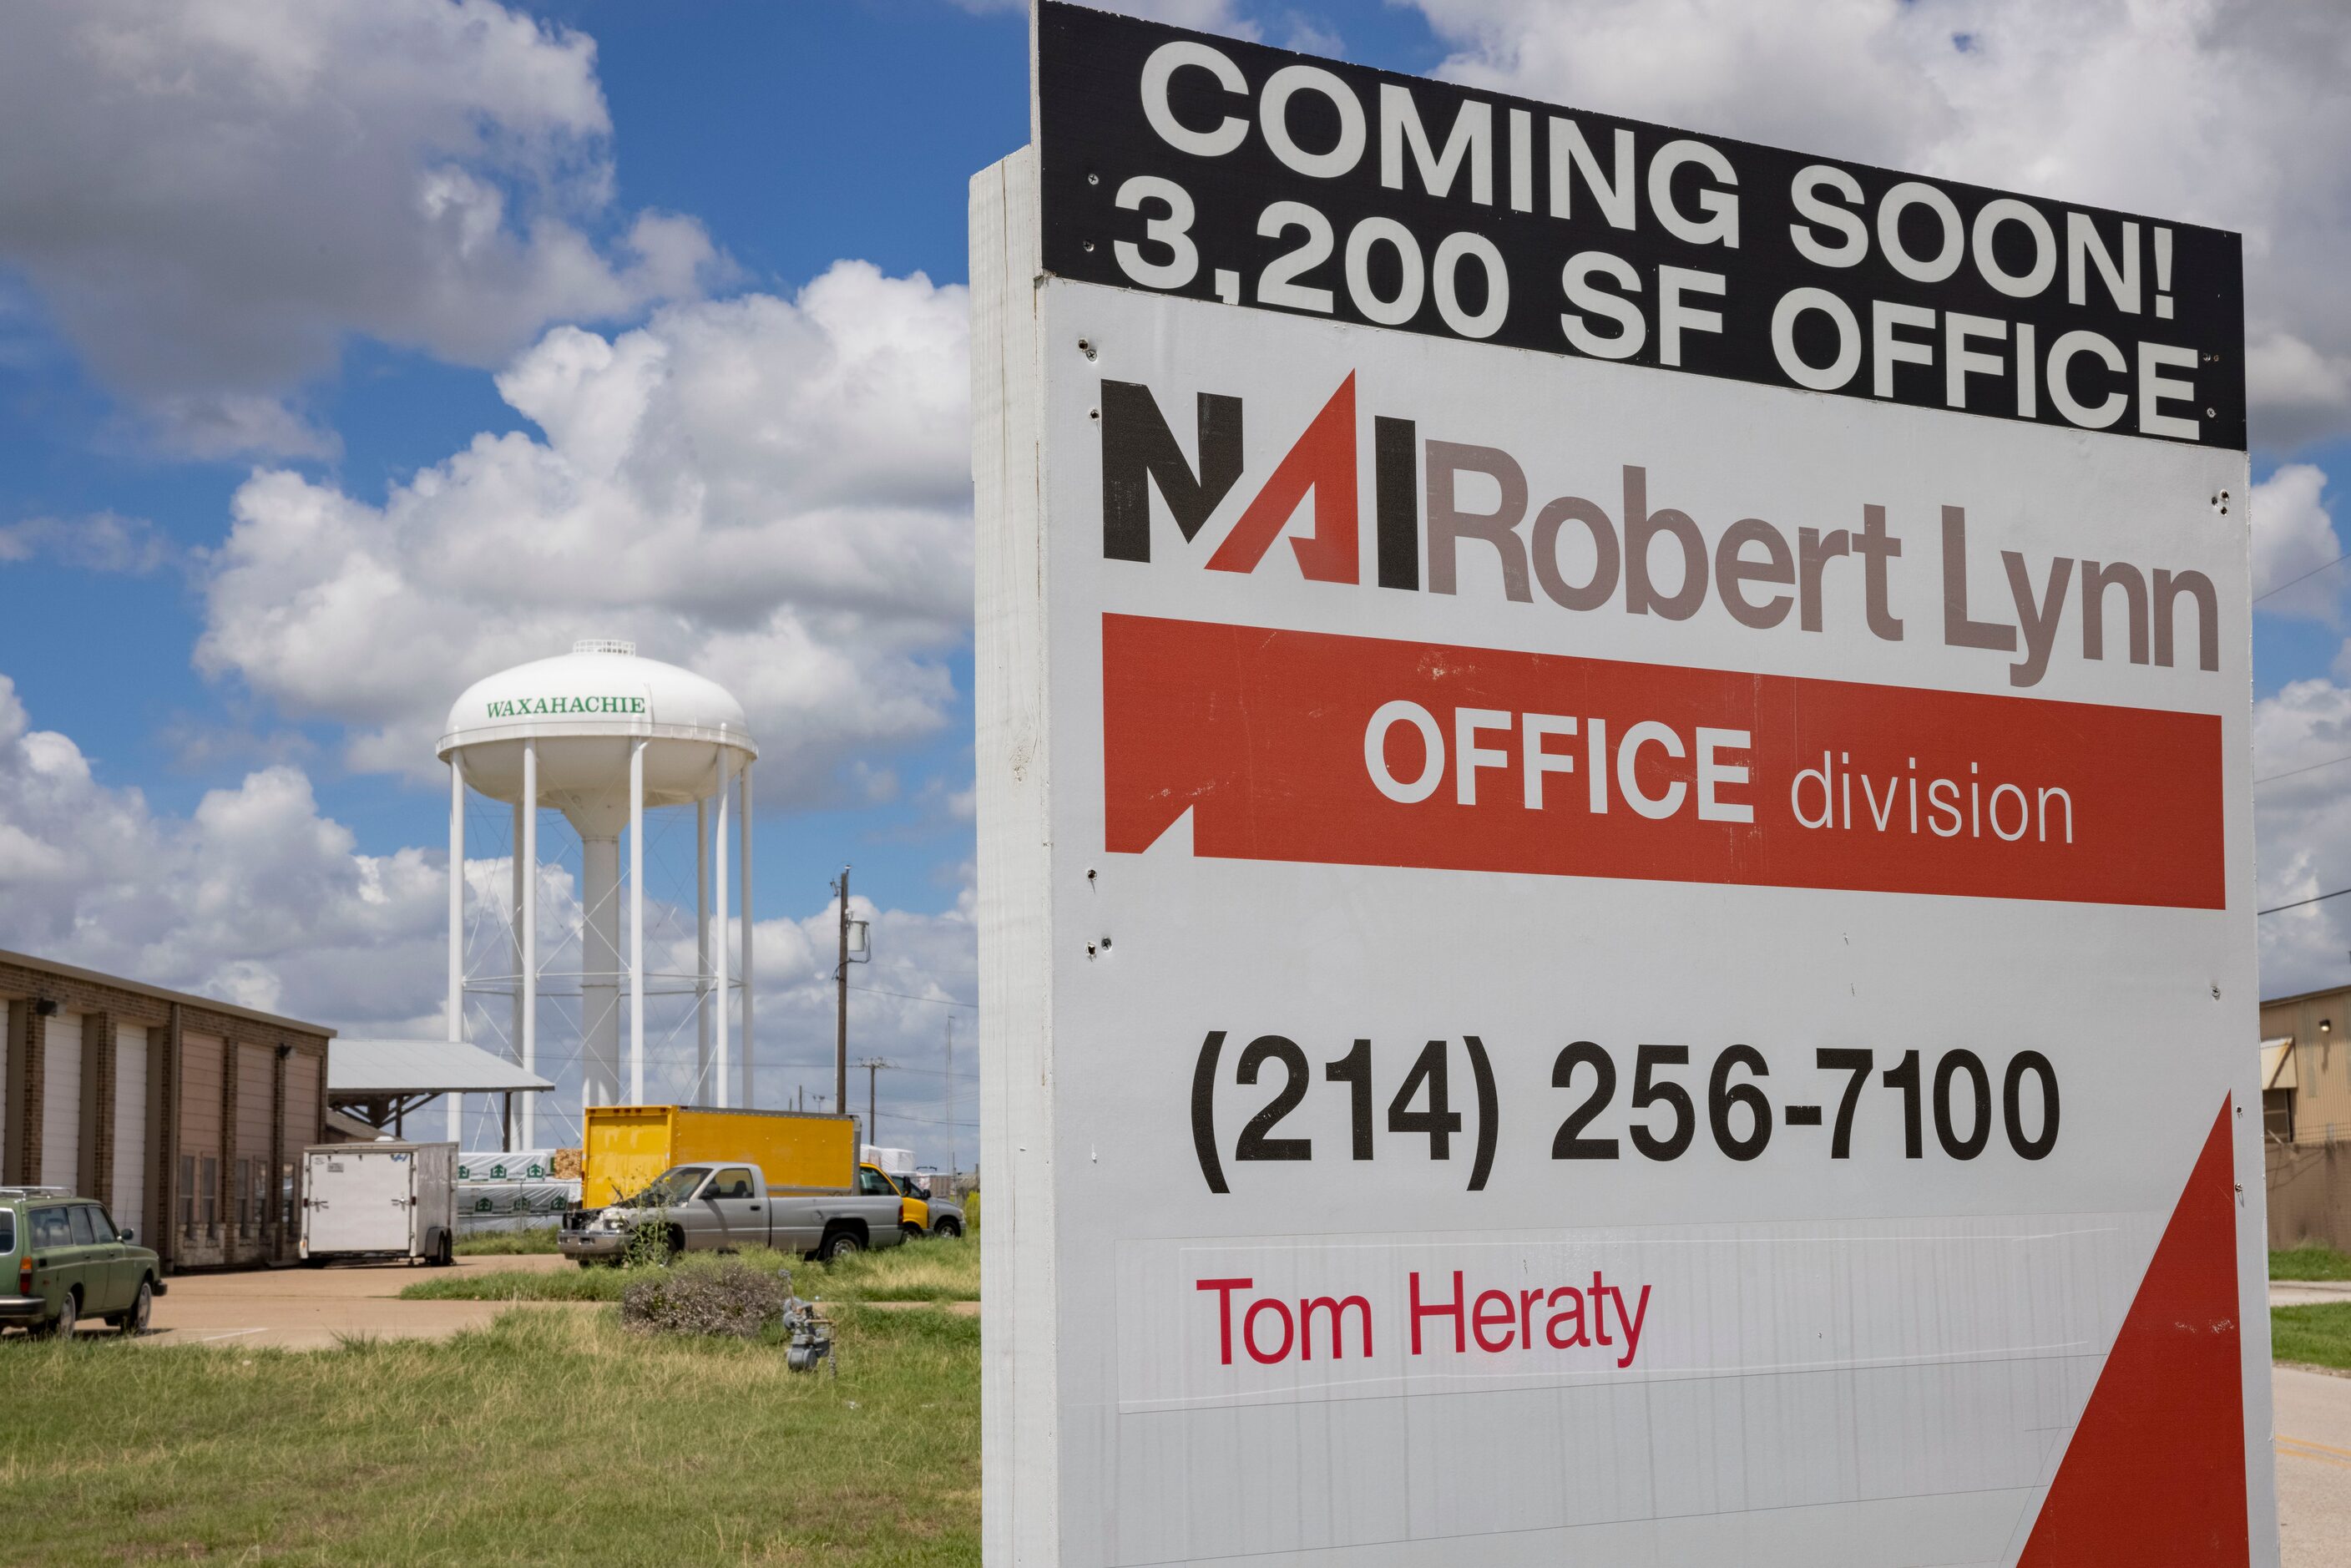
{"type": "Point", "coordinates": [1615, 914]}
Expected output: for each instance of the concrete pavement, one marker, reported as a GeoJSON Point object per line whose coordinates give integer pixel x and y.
{"type": "Point", "coordinates": [2314, 1466]}
{"type": "Point", "coordinates": [307, 1309]}
{"type": "Point", "coordinates": [2309, 1292]}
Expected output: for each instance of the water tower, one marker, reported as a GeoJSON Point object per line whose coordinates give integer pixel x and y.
{"type": "Point", "coordinates": [603, 735]}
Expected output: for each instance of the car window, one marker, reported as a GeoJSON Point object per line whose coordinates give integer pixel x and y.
{"type": "Point", "coordinates": [873, 1184]}
{"type": "Point", "coordinates": [77, 1218]}
{"type": "Point", "coordinates": [8, 1230]}
{"type": "Point", "coordinates": [732, 1182]}
{"type": "Point", "coordinates": [49, 1228]}
{"type": "Point", "coordinates": [100, 1226]}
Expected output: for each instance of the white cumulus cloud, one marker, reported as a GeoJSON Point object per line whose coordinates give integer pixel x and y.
{"type": "Point", "coordinates": [209, 196]}
{"type": "Point", "coordinates": [2228, 113]}
{"type": "Point", "coordinates": [2294, 546]}
{"type": "Point", "coordinates": [773, 492]}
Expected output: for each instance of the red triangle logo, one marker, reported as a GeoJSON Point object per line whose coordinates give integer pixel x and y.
{"type": "Point", "coordinates": [2155, 1473]}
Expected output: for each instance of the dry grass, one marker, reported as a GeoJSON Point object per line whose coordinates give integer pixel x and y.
{"type": "Point", "coordinates": [549, 1438]}
{"type": "Point", "coordinates": [531, 1239]}
{"type": "Point", "coordinates": [937, 1268]}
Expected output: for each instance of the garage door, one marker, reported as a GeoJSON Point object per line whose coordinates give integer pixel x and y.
{"type": "Point", "coordinates": [61, 1103]}
{"type": "Point", "coordinates": [129, 1199]}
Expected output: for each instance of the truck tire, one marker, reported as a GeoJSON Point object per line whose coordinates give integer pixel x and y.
{"type": "Point", "coordinates": [445, 1252]}
{"type": "Point", "coordinates": [133, 1323]}
{"type": "Point", "coordinates": [913, 1232]}
{"type": "Point", "coordinates": [62, 1325]}
{"type": "Point", "coordinates": [951, 1228]}
{"type": "Point", "coordinates": [840, 1242]}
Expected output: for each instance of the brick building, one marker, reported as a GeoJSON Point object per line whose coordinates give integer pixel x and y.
{"type": "Point", "coordinates": [186, 1116]}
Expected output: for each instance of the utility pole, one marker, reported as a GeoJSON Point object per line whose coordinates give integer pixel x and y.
{"type": "Point", "coordinates": [873, 1064]}
{"type": "Point", "coordinates": [841, 1007]}
{"type": "Point", "coordinates": [952, 1171]}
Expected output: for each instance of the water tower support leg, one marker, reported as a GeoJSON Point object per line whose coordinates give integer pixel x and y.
{"type": "Point", "coordinates": [701, 944]}
{"type": "Point", "coordinates": [719, 945]}
{"type": "Point", "coordinates": [456, 928]}
{"type": "Point", "coordinates": [743, 836]}
{"type": "Point", "coordinates": [529, 852]}
{"type": "Point", "coordinates": [637, 924]}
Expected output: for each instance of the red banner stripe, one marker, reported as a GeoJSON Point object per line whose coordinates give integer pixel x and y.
{"type": "Point", "coordinates": [1261, 734]}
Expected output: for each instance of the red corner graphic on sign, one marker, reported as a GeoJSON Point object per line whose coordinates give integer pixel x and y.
{"type": "Point", "coordinates": [1305, 747]}
{"type": "Point", "coordinates": [2155, 1473]}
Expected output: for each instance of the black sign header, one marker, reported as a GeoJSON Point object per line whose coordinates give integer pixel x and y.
{"type": "Point", "coordinates": [1181, 164]}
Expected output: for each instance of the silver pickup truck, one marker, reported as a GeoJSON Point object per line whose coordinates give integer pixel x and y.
{"type": "Point", "coordinates": [725, 1208]}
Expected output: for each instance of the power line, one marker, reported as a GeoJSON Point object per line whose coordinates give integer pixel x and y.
{"type": "Point", "coordinates": [2298, 903]}
{"type": "Point", "coordinates": [2311, 767]}
{"type": "Point", "coordinates": [931, 1120]}
{"type": "Point", "coordinates": [910, 996]}
{"type": "Point", "coordinates": [2306, 576]}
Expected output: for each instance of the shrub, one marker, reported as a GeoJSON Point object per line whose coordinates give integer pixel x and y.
{"type": "Point", "coordinates": [729, 1298]}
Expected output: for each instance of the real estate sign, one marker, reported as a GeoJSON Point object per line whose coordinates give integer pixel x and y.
{"type": "Point", "coordinates": [1615, 843]}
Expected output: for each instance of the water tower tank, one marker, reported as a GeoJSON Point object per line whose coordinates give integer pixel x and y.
{"type": "Point", "coordinates": [601, 735]}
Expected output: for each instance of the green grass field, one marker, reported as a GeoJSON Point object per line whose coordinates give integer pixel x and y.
{"type": "Point", "coordinates": [2316, 1336]}
{"type": "Point", "coordinates": [939, 1269]}
{"type": "Point", "coordinates": [2313, 1262]}
{"type": "Point", "coordinates": [549, 1438]}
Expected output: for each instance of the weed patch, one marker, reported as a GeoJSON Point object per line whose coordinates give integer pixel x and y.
{"type": "Point", "coordinates": [937, 1268]}
{"type": "Point", "coordinates": [531, 1240]}
{"type": "Point", "coordinates": [734, 1300]}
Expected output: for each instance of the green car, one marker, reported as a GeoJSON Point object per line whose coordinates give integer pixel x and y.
{"type": "Point", "coordinates": [69, 1263]}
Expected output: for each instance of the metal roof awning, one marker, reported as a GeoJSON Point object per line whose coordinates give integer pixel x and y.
{"type": "Point", "coordinates": [383, 1069]}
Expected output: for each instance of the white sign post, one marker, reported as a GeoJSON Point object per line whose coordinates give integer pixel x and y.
{"type": "Point", "coordinates": [1616, 856]}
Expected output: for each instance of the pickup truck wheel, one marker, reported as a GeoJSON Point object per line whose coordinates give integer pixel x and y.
{"type": "Point", "coordinates": [839, 1244]}
{"type": "Point", "coordinates": [950, 1227]}
{"type": "Point", "coordinates": [913, 1232]}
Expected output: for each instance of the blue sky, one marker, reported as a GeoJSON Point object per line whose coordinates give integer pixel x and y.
{"type": "Point", "coordinates": [800, 134]}
{"type": "Point", "coordinates": [288, 316]}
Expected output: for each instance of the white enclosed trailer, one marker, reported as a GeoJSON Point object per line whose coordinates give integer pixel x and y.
{"type": "Point", "coordinates": [379, 1200]}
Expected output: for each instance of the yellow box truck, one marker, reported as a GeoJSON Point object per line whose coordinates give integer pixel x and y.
{"type": "Point", "coordinates": [626, 1146]}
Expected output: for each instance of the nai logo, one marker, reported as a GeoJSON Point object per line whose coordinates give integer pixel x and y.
{"type": "Point", "coordinates": [1140, 452]}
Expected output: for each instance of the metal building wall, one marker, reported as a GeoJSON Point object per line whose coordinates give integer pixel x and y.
{"type": "Point", "coordinates": [116, 1089]}
{"type": "Point", "coordinates": [61, 1079]}
{"type": "Point", "coordinates": [127, 1197]}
